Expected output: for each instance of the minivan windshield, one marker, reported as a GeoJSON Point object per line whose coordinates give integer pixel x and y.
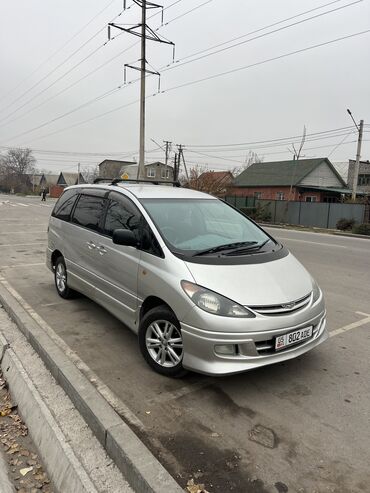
{"type": "Point", "coordinates": [205, 227]}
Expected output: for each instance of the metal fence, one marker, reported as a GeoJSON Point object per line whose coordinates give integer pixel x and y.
{"type": "Point", "coordinates": [313, 214]}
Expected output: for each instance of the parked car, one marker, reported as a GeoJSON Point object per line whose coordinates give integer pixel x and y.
{"type": "Point", "coordinates": [204, 287]}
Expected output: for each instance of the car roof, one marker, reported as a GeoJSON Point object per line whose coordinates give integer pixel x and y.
{"type": "Point", "coordinates": [149, 191]}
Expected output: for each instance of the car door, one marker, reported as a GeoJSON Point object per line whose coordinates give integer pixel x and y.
{"type": "Point", "coordinates": [84, 238]}
{"type": "Point", "coordinates": [118, 265]}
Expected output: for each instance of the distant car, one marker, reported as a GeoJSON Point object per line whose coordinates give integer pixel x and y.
{"type": "Point", "coordinates": [204, 287]}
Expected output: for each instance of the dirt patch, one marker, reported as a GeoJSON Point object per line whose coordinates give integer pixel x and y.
{"type": "Point", "coordinates": [26, 471]}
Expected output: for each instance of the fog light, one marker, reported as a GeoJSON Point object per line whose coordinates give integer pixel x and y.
{"type": "Point", "coordinates": [225, 349]}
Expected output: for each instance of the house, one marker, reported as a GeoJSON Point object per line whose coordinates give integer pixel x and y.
{"type": "Point", "coordinates": [363, 182]}
{"type": "Point", "coordinates": [309, 180]}
{"type": "Point", "coordinates": [48, 181]}
{"type": "Point", "coordinates": [214, 182]}
{"type": "Point", "coordinates": [68, 179]}
{"type": "Point", "coordinates": [110, 168]}
{"type": "Point", "coordinates": [153, 171]}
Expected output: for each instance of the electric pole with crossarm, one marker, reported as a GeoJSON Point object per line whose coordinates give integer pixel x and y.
{"type": "Point", "coordinates": [144, 32]}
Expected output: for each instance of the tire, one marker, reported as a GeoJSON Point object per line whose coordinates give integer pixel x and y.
{"type": "Point", "coordinates": [60, 279]}
{"type": "Point", "coordinates": [163, 329]}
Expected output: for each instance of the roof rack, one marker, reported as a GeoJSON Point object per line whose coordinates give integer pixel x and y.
{"type": "Point", "coordinates": [100, 179]}
{"type": "Point", "coordinates": [151, 182]}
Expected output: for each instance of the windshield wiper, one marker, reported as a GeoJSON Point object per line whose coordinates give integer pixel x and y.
{"type": "Point", "coordinates": [254, 248]}
{"type": "Point", "coordinates": [228, 246]}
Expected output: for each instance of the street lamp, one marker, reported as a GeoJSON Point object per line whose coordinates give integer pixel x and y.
{"type": "Point", "coordinates": [358, 154]}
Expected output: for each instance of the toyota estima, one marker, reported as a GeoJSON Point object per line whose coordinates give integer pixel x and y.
{"type": "Point", "coordinates": [203, 286]}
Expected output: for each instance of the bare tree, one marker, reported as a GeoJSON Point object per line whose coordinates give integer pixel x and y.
{"type": "Point", "coordinates": [15, 166]}
{"type": "Point", "coordinates": [89, 173]}
{"type": "Point", "coordinates": [252, 158]}
{"type": "Point", "coordinates": [213, 182]}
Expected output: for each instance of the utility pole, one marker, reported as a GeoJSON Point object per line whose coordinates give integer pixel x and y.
{"type": "Point", "coordinates": [168, 149]}
{"type": "Point", "coordinates": [144, 32]}
{"type": "Point", "coordinates": [141, 168]}
{"type": "Point", "coordinates": [360, 130]}
{"type": "Point", "coordinates": [181, 156]}
{"type": "Point", "coordinates": [78, 173]}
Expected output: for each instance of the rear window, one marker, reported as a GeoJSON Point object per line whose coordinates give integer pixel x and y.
{"type": "Point", "coordinates": [64, 206]}
{"type": "Point", "coordinates": [89, 211]}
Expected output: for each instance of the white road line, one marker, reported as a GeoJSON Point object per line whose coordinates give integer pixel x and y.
{"type": "Point", "coordinates": [23, 205]}
{"type": "Point", "coordinates": [354, 325]}
{"type": "Point", "coordinates": [23, 232]}
{"type": "Point", "coordinates": [331, 245]}
{"type": "Point", "coordinates": [21, 265]}
{"type": "Point", "coordinates": [22, 244]}
{"type": "Point", "coordinates": [118, 405]}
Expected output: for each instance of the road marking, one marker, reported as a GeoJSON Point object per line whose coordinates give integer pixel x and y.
{"type": "Point", "coordinates": [114, 401]}
{"type": "Point", "coordinates": [23, 205]}
{"type": "Point", "coordinates": [23, 232]}
{"type": "Point", "coordinates": [354, 325]}
{"type": "Point", "coordinates": [21, 265]}
{"type": "Point", "coordinates": [22, 244]}
{"type": "Point", "coordinates": [331, 245]}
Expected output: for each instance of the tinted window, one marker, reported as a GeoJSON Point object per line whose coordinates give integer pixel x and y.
{"type": "Point", "coordinates": [64, 206]}
{"type": "Point", "coordinates": [121, 214]}
{"type": "Point", "coordinates": [89, 211]}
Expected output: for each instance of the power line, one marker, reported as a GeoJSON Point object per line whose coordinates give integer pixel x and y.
{"type": "Point", "coordinates": [92, 71]}
{"type": "Point", "coordinates": [257, 37]}
{"type": "Point", "coordinates": [179, 64]}
{"type": "Point", "coordinates": [57, 51]}
{"type": "Point", "coordinates": [211, 77]}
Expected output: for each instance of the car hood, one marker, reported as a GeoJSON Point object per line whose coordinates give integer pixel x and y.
{"type": "Point", "coordinates": [270, 283]}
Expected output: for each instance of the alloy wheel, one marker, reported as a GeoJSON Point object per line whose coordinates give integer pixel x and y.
{"type": "Point", "coordinates": [164, 343]}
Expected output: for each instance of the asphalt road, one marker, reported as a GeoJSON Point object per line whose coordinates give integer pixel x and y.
{"type": "Point", "coordinates": [301, 426]}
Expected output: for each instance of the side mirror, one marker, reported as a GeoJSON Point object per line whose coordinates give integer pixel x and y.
{"type": "Point", "coordinates": [124, 237]}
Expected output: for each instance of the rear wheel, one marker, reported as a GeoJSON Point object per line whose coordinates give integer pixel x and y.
{"type": "Point", "coordinates": [60, 277]}
{"type": "Point", "coordinates": [161, 342]}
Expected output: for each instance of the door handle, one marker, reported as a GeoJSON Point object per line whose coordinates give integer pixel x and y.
{"type": "Point", "coordinates": [101, 249]}
{"type": "Point", "coordinates": [90, 245]}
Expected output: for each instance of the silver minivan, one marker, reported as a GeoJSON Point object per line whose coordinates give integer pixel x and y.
{"type": "Point", "coordinates": [203, 286]}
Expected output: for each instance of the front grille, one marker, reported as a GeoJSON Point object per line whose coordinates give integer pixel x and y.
{"type": "Point", "coordinates": [264, 348]}
{"type": "Point", "coordinates": [283, 309]}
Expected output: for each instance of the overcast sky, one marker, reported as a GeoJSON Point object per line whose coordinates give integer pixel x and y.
{"type": "Point", "coordinates": [41, 56]}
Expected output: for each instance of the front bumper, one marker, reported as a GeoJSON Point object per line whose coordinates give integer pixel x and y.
{"type": "Point", "coordinates": [200, 355]}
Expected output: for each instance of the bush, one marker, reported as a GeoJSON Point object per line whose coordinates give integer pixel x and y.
{"type": "Point", "coordinates": [345, 224]}
{"type": "Point", "coordinates": [258, 214]}
{"type": "Point", "coordinates": [362, 229]}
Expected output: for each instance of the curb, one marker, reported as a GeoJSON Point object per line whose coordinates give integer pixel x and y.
{"type": "Point", "coordinates": [141, 469]}
{"type": "Point", "coordinates": [65, 469]}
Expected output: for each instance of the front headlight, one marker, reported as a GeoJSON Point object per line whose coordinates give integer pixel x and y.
{"type": "Point", "coordinates": [211, 302]}
{"type": "Point", "coordinates": [316, 291]}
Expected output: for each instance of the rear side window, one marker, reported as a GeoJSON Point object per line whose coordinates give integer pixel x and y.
{"type": "Point", "coordinates": [64, 206]}
{"type": "Point", "coordinates": [89, 211]}
{"type": "Point", "coordinates": [121, 214]}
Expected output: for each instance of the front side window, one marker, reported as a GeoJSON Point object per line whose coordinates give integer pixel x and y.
{"type": "Point", "coordinates": [64, 206]}
{"type": "Point", "coordinates": [88, 212]}
{"type": "Point", "coordinates": [310, 198]}
{"type": "Point", "coordinates": [191, 226]}
{"type": "Point", "coordinates": [257, 195]}
{"type": "Point", "coordinates": [279, 195]}
{"type": "Point", "coordinates": [121, 214]}
{"type": "Point", "coordinates": [151, 173]}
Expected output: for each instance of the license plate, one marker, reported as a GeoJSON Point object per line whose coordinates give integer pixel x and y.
{"type": "Point", "coordinates": [291, 338]}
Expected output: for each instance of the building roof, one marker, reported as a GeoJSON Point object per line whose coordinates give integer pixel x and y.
{"type": "Point", "coordinates": [70, 178]}
{"type": "Point", "coordinates": [116, 162]}
{"type": "Point", "coordinates": [219, 176]}
{"type": "Point", "coordinates": [51, 179]}
{"type": "Point", "coordinates": [281, 173]}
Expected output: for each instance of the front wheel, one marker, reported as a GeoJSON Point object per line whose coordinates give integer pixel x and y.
{"type": "Point", "coordinates": [161, 342]}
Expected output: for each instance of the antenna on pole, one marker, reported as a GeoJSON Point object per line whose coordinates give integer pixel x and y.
{"type": "Point", "coordinates": [143, 31]}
